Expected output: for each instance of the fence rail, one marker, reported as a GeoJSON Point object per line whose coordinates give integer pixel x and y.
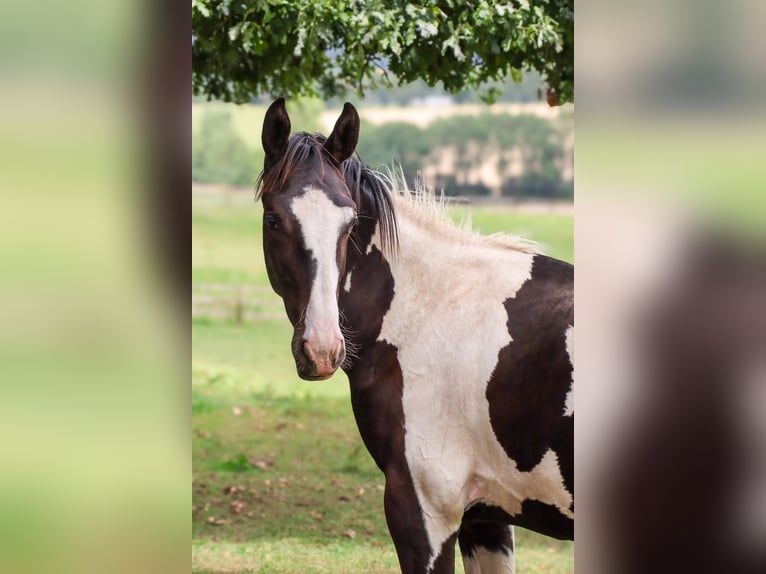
{"type": "Point", "coordinates": [239, 303]}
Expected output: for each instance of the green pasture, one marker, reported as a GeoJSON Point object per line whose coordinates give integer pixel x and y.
{"type": "Point", "coordinates": [281, 481]}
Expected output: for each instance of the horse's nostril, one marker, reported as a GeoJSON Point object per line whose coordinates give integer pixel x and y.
{"type": "Point", "coordinates": [340, 353]}
{"type": "Point", "coordinates": [339, 359]}
{"type": "Point", "coordinates": [308, 352]}
{"type": "Point", "coordinates": [324, 360]}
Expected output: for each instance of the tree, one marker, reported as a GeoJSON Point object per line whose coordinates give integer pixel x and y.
{"type": "Point", "coordinates": [526, 152]}
{"type": "Point", "coordinates": [245, 48]}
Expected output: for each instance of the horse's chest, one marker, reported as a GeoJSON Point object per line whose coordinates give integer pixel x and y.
{"type": "Point", "coordinates": [454, 454]}
{"type": "Point", "coordinates": [448, 350]}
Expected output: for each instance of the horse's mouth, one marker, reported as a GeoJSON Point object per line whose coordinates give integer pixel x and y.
{"type": "Point", "coordinates": [310, 370]}
{"type": "Point", "coordinates": [310, 377]}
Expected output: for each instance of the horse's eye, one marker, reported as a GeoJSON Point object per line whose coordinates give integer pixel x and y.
{"type": "Point", "coordinates": [271, 220]}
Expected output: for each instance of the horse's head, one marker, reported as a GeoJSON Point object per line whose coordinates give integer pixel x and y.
{"type": "Point", "coordinates": [308, 215]}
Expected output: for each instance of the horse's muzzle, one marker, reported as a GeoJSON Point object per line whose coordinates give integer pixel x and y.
{"type": "Point", "coordinates": [321, 361]}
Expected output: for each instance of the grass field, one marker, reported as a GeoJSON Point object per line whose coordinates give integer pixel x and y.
{"type": "Point", "coordinates": [281, 481]}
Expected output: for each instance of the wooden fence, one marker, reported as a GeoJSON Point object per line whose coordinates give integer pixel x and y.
{"type": "Point", "coordinates": [238, 303]}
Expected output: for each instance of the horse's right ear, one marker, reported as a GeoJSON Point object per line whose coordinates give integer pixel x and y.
{"type": "Point", "coordinates": [345, 135]}
{"type": "Point", "coordinates": [276, 132]}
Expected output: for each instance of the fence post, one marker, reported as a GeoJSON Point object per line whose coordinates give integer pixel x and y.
{"type": "Point", "coordinates": [239, 307]}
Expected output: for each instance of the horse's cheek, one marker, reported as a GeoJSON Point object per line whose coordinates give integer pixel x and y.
{"type": "Point", "coordinates": [274, 272]}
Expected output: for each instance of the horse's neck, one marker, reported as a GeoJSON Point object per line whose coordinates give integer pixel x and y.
{"type": "Point", "coordinates": [437, 269]}
{"type": "Point", "coordinates": [425, 247]}
{"type": "Point", "coordinates": [423, 261]}
{"type": "Point", "coordinates": [367, 288]}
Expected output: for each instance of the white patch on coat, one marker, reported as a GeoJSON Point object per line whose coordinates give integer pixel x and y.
{"type": "Point", "coordinates": [486, 562]}
{"type": "Point", "coordinates": [347, 284]}
{"type": "Point", "coordinates": [321, 223]}
{"type": "Point", "coordinates": [569, 401]}
{"type": "Point", "coordinates": [483, 561]}
{"type": "Point", "coordinates": [448, 323]}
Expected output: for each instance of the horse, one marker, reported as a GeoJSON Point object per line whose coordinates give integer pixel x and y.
{"type": "Point", "coordinates": [457, 348]}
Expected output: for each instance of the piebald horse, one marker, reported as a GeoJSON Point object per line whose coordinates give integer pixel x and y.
{"type": "Point", "coordinates": [457, 348]}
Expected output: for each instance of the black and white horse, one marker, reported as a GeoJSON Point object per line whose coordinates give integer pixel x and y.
{"type": "Point", "coordinates": [457, 348]}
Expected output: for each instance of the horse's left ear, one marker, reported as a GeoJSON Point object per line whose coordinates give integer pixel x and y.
{"type": "Point", "coordinates": [276, 132]}
{"type": "Point", "coordinates": [345, 135]}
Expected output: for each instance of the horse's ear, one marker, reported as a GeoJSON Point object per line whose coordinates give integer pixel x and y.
{"type": "Point", "coordinates": [276, 132]}
{"type": "Point", "coordinates": [342, 141]}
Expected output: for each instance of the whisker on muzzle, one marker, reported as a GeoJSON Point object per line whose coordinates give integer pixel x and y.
{"type": "Point", "coordinates": [352, 348]}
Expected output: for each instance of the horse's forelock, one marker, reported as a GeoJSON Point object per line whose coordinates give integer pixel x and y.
{"type": "Point", "coordinates": [301, 147]}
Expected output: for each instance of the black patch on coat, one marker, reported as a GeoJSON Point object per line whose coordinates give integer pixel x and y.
{"type": "Point", "coordinates": [486, 527]}
{"type": "Point", "coordinates": [528, 389]}
{"type": "Point", "coordinates": [545, 519]}
{"type": "Point", "coordinates": [484, 523]}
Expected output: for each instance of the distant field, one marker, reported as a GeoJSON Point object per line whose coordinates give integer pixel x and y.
{"type": "Point", "coordinates": [248, 119]}
{"type": "Point", "coordinates": [281, 482]}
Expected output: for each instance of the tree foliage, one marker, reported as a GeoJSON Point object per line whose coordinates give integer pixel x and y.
{"type": "Point", "coordinates": [246, 48]}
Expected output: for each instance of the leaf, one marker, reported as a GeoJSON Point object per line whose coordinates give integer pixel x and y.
{"type": "Point", "coordinates": [261, 463]}
{"type": "Point", "coordinates": [217, 521]}
{"type": "Point", "coordinates": [233, 489]}
{"type": "Point", "coordinates": [428, 29]}
{"type": "Point", "coordinates": [242, 49]}
{"type": "Point", "coordinates": [236, 506]}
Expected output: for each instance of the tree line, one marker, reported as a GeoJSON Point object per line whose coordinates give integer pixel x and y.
{"type": "Point", "coordinates": [488, 154]}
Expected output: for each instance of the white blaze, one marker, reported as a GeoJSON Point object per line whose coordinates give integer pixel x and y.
{"type": "Point", "coordinates": [321, 222]}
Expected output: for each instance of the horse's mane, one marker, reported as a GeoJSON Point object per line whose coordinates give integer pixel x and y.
{"type": "Point", "coordinates": [383, 194]}
{"type": "Point", "coordinates": [300, 148]}
{"type": "Point", "coordinates": [379, 191]}
{"type": "Point", "coordinates": [431, 211]}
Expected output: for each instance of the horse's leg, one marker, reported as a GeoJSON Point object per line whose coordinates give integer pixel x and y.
{"type": "Point", "coordinates": [409, 529]}
{"type": "Point", "coordinates": [487, 548]}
